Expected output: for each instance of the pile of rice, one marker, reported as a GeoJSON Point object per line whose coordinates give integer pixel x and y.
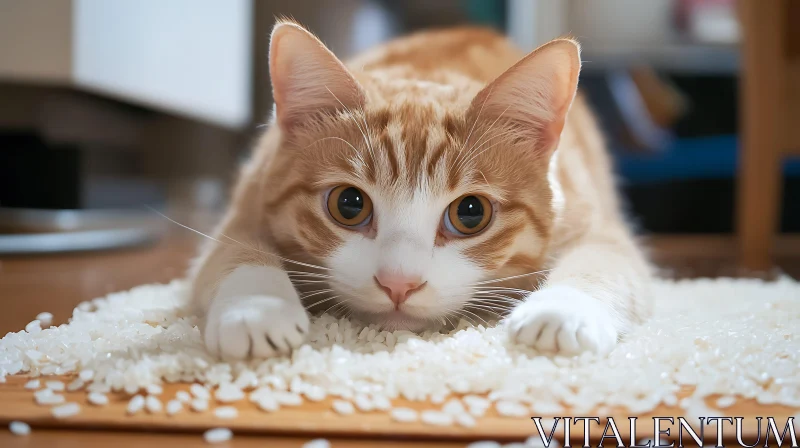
{"type": "Point", "coordinates": [736, 338]}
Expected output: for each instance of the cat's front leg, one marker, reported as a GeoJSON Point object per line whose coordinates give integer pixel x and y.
{"type": "Point", "coordinates": [256, 312]}
{"type": "Point", "coordinates": [564, 319]}
{"type": "Point", "coordinates": [595, 292]}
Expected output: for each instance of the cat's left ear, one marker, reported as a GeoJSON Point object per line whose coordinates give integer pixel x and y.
{"type": "Point", "coordinates": [534, 95]}
{"type": "Point", "coordinates": [307, 78]}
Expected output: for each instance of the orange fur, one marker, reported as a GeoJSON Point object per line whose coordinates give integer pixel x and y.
{"type": "Point", "coordinates": [422, 113]}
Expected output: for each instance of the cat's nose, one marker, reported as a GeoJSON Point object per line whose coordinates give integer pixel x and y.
{"type": "Point", "coordinates": [398, 287]}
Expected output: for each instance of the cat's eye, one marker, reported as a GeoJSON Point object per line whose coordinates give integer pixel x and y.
{"type": "Point", "coordinates": [349, 206]}
{"type": "Point", "coordinates": [467, 215]}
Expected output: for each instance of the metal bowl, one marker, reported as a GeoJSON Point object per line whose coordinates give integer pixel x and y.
{"type": "Point", "coordinates": [35, 231]}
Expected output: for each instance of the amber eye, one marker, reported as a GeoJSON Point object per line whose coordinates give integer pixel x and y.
{"type": "Point", "coordinates": [468, 215]}
{"type": "Point", "coordinates": [349, 206]}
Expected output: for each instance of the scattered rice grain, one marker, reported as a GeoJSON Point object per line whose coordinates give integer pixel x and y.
{"type": "Point", "coordinates": [19, 428]}
{"type": "Point", "coordinates": [56, 386]}
{"type": "Point", "coordinates": [436, 418]}
{"type": "Point", "coordinates": [343, 407]}
{"type": "Point", "coordinates": [317, 443]}
{"type": "Point", "coordinates": [65, 410]}
{"type": "Point", "coordinates": [218, 435]}
{"type": "Point", "coordinates": [153, 404]}
{"type": "Point", "coordinates": [173, 407]}
{"type": "Point", "coordinates": [45, 318]}
{"type": "Point", "coordinates": [98, 399]}
{"type": "Point", "coordinates": [226, 412]}
{"type": "Point", "coordinates": [404, 415]}
{"type": "Point", "coordinates": [135, 404]}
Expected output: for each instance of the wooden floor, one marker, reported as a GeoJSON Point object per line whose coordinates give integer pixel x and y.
{"type": "Point", "coordinates": [29, 285]}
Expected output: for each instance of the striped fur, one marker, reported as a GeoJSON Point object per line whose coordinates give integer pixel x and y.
{"type": "Point", "coordinates": [415, 124]}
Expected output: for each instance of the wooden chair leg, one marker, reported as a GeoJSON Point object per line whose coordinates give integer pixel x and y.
{"type": "Point", "coordinates": [762, 95]}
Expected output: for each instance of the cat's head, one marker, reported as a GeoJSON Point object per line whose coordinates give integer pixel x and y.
{"type": "Point", "coordinates": [412, 192]}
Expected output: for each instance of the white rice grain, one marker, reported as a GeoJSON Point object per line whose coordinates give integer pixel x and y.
{"type": "Point", "coordinates": [436, 418]}
{"type": "Point", "coordinates": [33, 384]}
{"type": "Point", "coordinates": [453, 407]}
{"type": "Point", "coordinates": [154, 389]}
{"type": "Point", "coordinates": [76, 384]}
{"type": "Point", "coordinates": [228, 393]}
{"type": "Point", "coordinates": [199, 405]}
{"type": "Point", "coordinates": [153, 404]}
{"type": "Point", "coordinates": [721, 337]}
{"type": "Point", "coordinates": [56, 386]}
{"type": "Point", "coordinates": [226, 412]}
{"type": "Point", "coordinates": [317, 443]}
{"type": "Point", "coordinates": [404, 415]}
{"type": "Point", "coordinates": [19, 428]}
{"type": "Point", "coordinates": [49, 400]}
{"type": "Point", "coordinates": [183, 396]}
{"type": "Point", "coordinates": [363, 403]}
{"type": "Point", "coordinates": [135, 405]}
{"type": "Point", "coordinates": [511, 409]}
{"type": "Point", "coordinates": [725, 402]}
{"type": "Point", "coordinates": [381, 403]}
{"type": "Point", "coordinates": [343, 407]}
{"type": "Point", "coordinates": [267, 403]}
{"type": "Point", "coordinates": [465, 420]}
{"type": "Point", "coordinates": [45, 319]}
{"type": "Point", "coordinates": [218, 435]}
{"type": "Point", "coordinates": [65, 410]}
{"type": "Point", "coordinates": [288, 398]}
{"type": "Point", "coordinates": [484, 444]}
{"type": "Point", "coordinates": [199, 391]}
{"type": "Point", "coordinates": [33, 327]}
{"type": "Point", "coordinates": [98, 399]}
{"type": "Point", "coordinates": [173, 407]}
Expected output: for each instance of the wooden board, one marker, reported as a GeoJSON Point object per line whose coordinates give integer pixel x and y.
{"type": "Point", "coordinates": [318, 420]}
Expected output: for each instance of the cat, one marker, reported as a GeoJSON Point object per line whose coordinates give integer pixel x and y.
{"type": "Point", "coordinates": [426, 180]}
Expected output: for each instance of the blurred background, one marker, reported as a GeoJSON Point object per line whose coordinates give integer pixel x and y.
{"type": "Point", "coordinates": [110, 106]}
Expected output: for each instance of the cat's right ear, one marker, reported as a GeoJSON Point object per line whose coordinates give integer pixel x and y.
{"type": "Point", "coordinates": [307, 78]}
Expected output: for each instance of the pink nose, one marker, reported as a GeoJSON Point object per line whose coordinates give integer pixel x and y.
{"type": "Point", "coordinates": [397, 286]}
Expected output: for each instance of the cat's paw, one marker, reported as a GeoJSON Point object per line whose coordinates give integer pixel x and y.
{"type": "Point", "coordinates": [564, 320]}
{"type": "Point", "coordinates": [254, 326]}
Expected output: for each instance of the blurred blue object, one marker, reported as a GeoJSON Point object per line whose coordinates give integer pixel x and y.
{"type": "Point", "coordinates": [687, 159]}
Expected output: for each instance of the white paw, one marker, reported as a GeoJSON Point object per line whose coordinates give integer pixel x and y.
{"type": "Point", "coordinates": [254, 326]}
{"type": "Point", "coordinates": [564, 320]}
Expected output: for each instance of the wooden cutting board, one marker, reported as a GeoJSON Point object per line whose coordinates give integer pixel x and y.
{"type": "Point", "coordinates": [319, 420]}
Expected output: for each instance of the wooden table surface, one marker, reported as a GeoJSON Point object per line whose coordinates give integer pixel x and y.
{"type": "Point", "coordinates": [30, 285]}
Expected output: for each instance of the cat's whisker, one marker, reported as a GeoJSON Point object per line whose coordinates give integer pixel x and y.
{"type": "Point", "coordinates": [493, 308]}
{"type": "Point", "coordinates": [479, 317]}
{"type": "Point", "coordinates": [235, 241]}
{"type": "Point", "coordinates": [501, 288]}
{"type": "Point", "coordinates": [330, 309]}
{"type": "Point", "coordinates": [501, 301]}
{"type": "Point", "coordinates": [308, 282]}
{"type": "Point", "coordinates": [498, 280]}
{"type": "Point", "coordinates": [307, 274]}
{"type": "Point", "coordinates": [288, 260]}
{"type": "Point", "coordinates": [321, 301]}
{"type": "Point", "coordinates": [315, 293]}
{"type": "Point", "coordinates": [487, 309]}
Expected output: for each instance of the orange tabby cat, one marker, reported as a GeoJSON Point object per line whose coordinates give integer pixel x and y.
{"type": "Point", "coordinates": [407, 186]}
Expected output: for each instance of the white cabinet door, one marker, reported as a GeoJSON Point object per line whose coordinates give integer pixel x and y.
{"type": "Point", "coordinates": [190, 57]}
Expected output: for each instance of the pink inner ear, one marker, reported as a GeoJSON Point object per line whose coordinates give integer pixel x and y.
{"type": "Point", "coordinates": [534, 95]}
{"type": "Point", "coordinates": [307, 78]}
